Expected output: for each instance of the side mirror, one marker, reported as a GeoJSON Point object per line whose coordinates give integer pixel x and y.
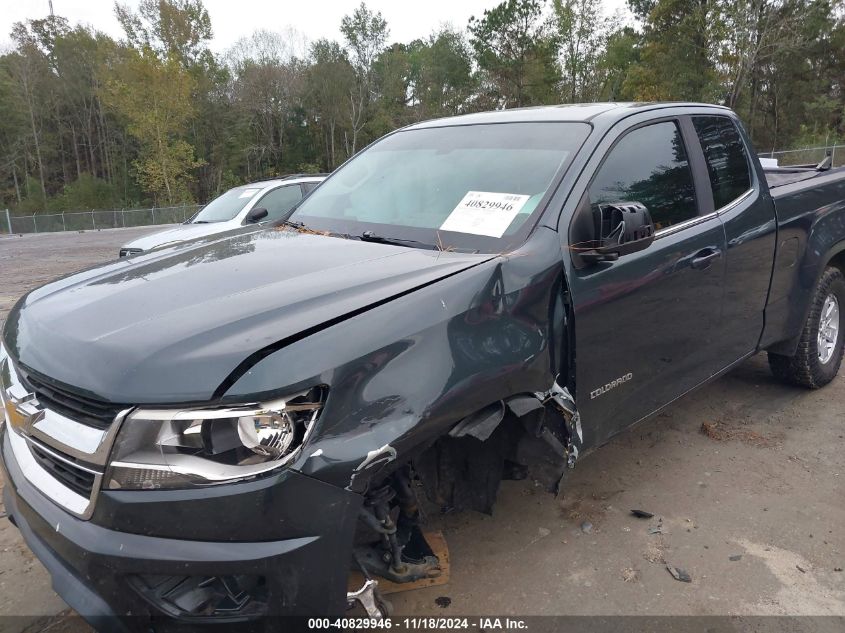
{"type": "Point", "coordinates": [256, 215]}
{"type": "Point", "coordinates": [620, 228]}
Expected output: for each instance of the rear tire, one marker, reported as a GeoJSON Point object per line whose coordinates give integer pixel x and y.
{"type": "Point", "coordinates": [819, 355]}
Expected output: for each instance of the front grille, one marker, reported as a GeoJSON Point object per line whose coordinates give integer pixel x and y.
{"type": "Point", "coordinates": [85, 410]}
{"type": "Point", "coordinates": [78, 480]}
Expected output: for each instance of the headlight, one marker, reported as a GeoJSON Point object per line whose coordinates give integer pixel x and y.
{"type": "Point", "coordinates": [194, 447]}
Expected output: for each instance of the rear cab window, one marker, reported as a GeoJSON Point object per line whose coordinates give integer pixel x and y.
{"type": "Point", "coordinates": [726, 158]}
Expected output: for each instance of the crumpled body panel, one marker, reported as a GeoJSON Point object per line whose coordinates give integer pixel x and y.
{"type": "Point", "coordinates": [402, 374]}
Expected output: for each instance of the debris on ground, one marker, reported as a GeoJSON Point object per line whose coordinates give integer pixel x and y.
{"type": "Point", "coordinates": [711, 430]}
{"type": "Point", "coordinates": [801, 569]}
{"type": "Point", "coordinates": [642, 514]}
{"type": "Point", "coordinates": [654, 552]}
{"type": "Point", "coordinates": [721, 433]}
{"type": "Point", "coordinates": [443, 601]}
{"type": "Point", "coordinates": [629, 574]}
{"type": "Point", "coordinates": [544, 532]}
{"type": "Point", "coordinates": [586, 527]}
{"type": "Point", "coordinates": [735, 557]}
{"type": "Point", "coordinates": [679, 574]}
{"type": "Point", "coordinates": [657, 529]}
{"type": "Point", "coordinates": [837, 569]}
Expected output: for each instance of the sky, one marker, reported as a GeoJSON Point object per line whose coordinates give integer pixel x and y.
{"type": "Point", "coordinates": [233, 19]}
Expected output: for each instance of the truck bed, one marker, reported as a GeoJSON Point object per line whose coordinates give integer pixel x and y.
{"type": "Point", "coordinates": [782, 176]}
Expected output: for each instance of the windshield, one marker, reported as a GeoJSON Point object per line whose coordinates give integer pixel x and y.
{"type": "Point", "coordinates": [469, 187]}
{"type": "Point", "coordinates": [227, 206]}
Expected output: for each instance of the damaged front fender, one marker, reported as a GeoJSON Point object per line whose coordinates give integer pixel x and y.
{"type": "Point", "coordinates": [402, 374]}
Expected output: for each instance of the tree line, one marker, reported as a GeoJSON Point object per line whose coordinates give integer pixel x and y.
{"type": "Point", "coordinates": [157, 118]}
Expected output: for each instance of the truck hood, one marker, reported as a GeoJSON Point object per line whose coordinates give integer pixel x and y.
{"type": "Point", "coordinates": [170, 326]}
{"type": "Point", "coordinates": [180, 233]}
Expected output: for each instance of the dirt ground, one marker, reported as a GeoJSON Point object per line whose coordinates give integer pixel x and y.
{"type": "Point", "coordinates": [745, 478]}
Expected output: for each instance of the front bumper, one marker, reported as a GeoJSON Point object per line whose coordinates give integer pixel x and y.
{"type": "Point", "coordinates": [214, 532]}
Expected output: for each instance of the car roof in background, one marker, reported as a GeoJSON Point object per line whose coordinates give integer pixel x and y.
{"type": "Point", "coordinates": [284, 180]}
{"type": "Point", "coordinates": [292, 179]}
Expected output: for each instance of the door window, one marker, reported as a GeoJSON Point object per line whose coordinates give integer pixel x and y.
{"type": "Point", "coordinates": [649, 165]}
{"type": "Point", "coordinates": [279, 202]}
{"type": "Point", "coordinates": [726, 159]}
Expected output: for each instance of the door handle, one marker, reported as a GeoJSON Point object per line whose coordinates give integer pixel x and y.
{"type": "Point", "coordinates": [703, 258]}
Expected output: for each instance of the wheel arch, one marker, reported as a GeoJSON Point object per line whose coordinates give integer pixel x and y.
{"type": "Point", "coordinates": [835, 256]}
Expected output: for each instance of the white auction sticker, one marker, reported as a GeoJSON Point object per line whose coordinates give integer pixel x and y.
{"type": "Point", "coordinates": [485, 213]}
{"type": "Point", "coordinates": [248, 193]}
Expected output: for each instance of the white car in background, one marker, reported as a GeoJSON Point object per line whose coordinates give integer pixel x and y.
{"type": "Point", "coordinates": [257, 203]}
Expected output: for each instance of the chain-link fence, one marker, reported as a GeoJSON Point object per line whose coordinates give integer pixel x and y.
{"type": "Point", "coordinates": [808, 155]}
{"type": "Point", "coordinates": [93, 220]}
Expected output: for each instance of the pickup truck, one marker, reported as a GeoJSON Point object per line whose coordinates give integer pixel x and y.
{"type": "Point", "coordinates": [222, 430]}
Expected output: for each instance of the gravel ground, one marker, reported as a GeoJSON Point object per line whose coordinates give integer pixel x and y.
{"type": "Point", "coordinates": [745, 479]}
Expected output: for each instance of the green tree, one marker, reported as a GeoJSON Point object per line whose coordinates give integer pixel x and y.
{"type": "Point", "coordinates": [621, 52]}
{"type": "Point", "coordinates": [180, 30]}
{"type": "Point", "coordinates": [154, 98]}
{"type": "Point", "coordinates": [365, 33]}
{"type": "Point", "coordinates": [441, 74]}
{"type": "Point", "coordinates": [515, 48]}
{"type": "Point", "coordinates": [13, 131]}
{"type": "Point", "coordinates": [29, 68]}
{"type": "Point", "coordinates": [329, 85]}
{"type": "Point", "coordinates": [780, 69]}
{"type": "Point", "coordinates": [391, 88]}
{"type": "Point", "coordinates": [88, 120]}
{"type": "Point", "coordinates": [86, 192]}
{"type": "Point", "coordinates": [581, 29]}
{"type": "Point", "coordinates": [677, 60]}
{"type": "Point", "coordinates": [268, 87]}
{"type": "Point", "coordinates": [174, 29]}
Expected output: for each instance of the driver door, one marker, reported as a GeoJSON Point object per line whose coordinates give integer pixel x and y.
{"type": "Point", "coordinates": [645, 324]}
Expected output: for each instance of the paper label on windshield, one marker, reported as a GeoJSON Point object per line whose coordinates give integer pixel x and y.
{"type": "Point", "coordinates": [485, 213]}
{"type": "Point", "coordinates": [248, 193]}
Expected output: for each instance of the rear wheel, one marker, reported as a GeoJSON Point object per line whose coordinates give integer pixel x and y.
{"type": "Point", "coordinates": [819, 354]}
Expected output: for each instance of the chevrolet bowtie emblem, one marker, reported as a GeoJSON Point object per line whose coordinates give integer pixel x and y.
{"type": "Point", "coordinates": [22, 415]}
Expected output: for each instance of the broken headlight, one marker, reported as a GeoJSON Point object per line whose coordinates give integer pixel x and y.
{"type": "Point", "coordinates": [193, 447]}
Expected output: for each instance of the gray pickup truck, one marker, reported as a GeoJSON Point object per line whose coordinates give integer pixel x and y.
{"type": "Point", "coordinates": [219, 431]}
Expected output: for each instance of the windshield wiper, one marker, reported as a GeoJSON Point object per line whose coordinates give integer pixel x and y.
{"type": "Point", "coordinates": [200, 222]}
{"type": "Point", "coordinates": [292, 224]}
{"type": "Point", "coordinates": [370, 236]}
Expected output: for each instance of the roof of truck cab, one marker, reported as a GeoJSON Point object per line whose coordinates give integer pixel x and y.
{"type": "Point", "coordinates": [573, 112]}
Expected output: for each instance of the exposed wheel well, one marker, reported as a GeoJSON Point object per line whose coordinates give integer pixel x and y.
{"type": "Point", "coordinates": [838, 261]}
